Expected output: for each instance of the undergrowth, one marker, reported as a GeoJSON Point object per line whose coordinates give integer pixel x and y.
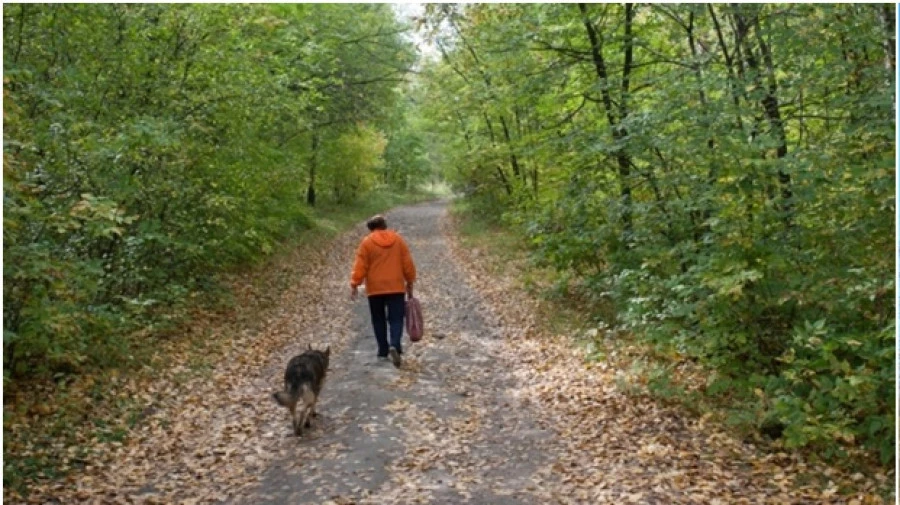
{"type": "Point", "coordinates": [48, 421]}
{"type": "Point", "coordinates": [649, 367]}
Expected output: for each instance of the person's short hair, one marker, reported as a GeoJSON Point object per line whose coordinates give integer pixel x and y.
{"type": "Point", "coordinates": [376, 222]}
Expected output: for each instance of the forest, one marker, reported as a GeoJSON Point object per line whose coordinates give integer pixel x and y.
{"type": "Point", "coordinates": [150, 147]}
{"type": "Point", "coordinates": [715, 180]}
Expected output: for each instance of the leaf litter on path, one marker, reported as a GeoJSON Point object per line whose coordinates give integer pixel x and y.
{"type": "Point", "coordinates": [211, 434]}
{"type": "Point", "coordinates": [496, 411]}
{"type": "Point", "coordinates": [629, 449]}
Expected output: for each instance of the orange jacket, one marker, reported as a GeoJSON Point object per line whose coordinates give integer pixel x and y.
{"type": "Point", "coordinates": [384, 263]}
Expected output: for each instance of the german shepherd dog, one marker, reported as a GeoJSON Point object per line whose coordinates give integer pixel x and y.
{"type": "Point", "coordinates": [303, 379]}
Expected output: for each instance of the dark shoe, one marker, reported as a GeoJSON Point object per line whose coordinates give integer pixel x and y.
{"type": "Point", "coordinates": [395, 357]}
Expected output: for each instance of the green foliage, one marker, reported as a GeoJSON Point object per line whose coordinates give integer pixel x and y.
{"type": "Point", "coordinates": [847, 376]}
{"type": "Point", "coordinates": [355, 157]}
{"type": "Point", "coordinates": [148, 148]}
{"type": "Point", "coordinates": [728, 186]}
{"type": "Point", "coordinates": [406, 156]}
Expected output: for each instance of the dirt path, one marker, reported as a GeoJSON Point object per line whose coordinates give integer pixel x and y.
{"type": "Point", "coordinates": [485, 410]}
{"type": "Point", "coordinates": [448, 427]}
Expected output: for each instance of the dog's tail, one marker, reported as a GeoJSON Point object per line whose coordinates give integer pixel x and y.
{"type": "Point", "coordinates": [302, 392]}
{"type": "Point", "coordinates": [283, 398]}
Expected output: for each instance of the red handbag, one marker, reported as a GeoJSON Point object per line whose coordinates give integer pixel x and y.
{"type": "Point", "coordinates": [414, 323]}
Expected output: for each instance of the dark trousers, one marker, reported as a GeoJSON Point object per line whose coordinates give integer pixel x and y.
{"type": "Point", "coordinates": [395, 307]}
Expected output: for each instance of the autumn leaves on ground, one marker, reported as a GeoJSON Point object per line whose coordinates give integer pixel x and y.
{"type": "Point", "coordinates": [489, 408]}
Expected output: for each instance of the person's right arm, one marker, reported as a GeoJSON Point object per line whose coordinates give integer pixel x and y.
{"type": "Point", "coordinates": [360, 269]}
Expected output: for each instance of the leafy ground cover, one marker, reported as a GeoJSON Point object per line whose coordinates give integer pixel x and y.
{"type": "Point", "coordinates": [499, 405]}
{"type": "Point", "coordinates": [528, 293]}
{"type": "Point", "coordinates": [57, 426]}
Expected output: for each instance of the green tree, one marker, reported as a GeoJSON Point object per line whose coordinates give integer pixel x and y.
{"type": "Point", "coordinates": [147, 148]}
{"type": "Point", "coordinates": [723, 182]}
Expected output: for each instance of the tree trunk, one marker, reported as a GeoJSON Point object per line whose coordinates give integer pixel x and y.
{"type": "Point", "coordinates": [619, 133]}
{"type": "Point", "coordinates": [501, 174]}
{"type": "Point", "coordinates": [311, 190]}
{"type": "Point", "coordinates": [513, 161]}
{"type": "Point", "coordinates": [711, 174]}
{"type": "Point", "coordinates": [729, 65]}
{"type": "Point", "coordinates": [890, 37]}
{"type": "Point", "coordinates": [769, 102]}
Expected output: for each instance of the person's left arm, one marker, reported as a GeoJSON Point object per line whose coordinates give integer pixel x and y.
{"type": "Point", "coordinates": [409, 268]}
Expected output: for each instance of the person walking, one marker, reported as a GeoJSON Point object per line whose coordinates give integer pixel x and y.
{"type": "Point", "coordinates": [384, 264]}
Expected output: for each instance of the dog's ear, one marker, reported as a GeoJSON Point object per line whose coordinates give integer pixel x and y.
{"type": "Point", "coordinates": [328, 350]}
{"type": "Point", "coordinates": [309, 346]}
